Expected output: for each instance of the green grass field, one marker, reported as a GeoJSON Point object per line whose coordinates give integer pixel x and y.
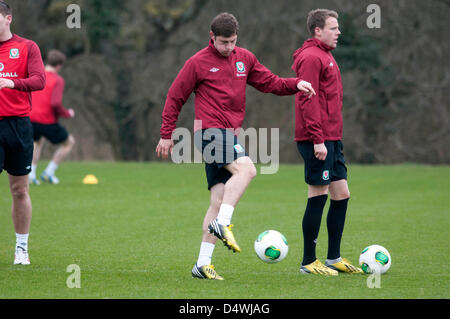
{"type": "Point", "coordinates": [137, 234]}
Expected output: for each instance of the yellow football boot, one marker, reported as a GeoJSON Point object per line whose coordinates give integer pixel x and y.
{"type": "Point", "coordinates": [344, 266]}
{"type": "Point", "coordinates": [225, 234]}
{"type": "Point", "coordinates": [318, 268]}
{"type": "Point", "coordinates": [205, 272]}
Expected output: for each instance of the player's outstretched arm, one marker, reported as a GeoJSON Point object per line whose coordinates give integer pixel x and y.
{"type": "Point", "coordinates": [164, 147]}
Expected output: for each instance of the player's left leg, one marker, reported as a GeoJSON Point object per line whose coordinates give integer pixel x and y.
{"type": "Point", "coordinates": [340, 194]}
{"type": "Point", "coordinates": [38, 146]}
{"type": "Point", "coordinates": [243, 171]}
{"type": "Point", "coordinates": [21, 216]}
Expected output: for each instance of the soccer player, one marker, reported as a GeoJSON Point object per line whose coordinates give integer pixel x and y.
{"type": "Point", "coordinates": [318, 132]}
{"type": "Point", "coordinates": [47, 107]}
{"type": "Point", "coordinates": [21, 71]}
{"type": "Point", "coordinates": [218, 75]}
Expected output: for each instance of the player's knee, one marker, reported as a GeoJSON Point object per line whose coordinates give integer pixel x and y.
{"type": "Point", "coordinates": [347, 194]}
{"type": "Point", "coordinates": [252, 171]}
{"type": "Point", "coordinates": [19, 191]}
{"type": "Point", "coordinates": [248, 169]}
{"type": "Point", "coordinates": [343, 194]}
{"type": "Point", "coordinates": [71, 140]}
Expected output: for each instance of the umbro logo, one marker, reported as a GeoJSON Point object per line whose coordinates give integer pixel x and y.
{"type": "Point", "coordinates": [331, 64]}
{"type": "Point", "coordinates": [214, 70]}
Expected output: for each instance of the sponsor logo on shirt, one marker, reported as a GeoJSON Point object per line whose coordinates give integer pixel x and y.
{"type": "Point", "coordinates": [14, 53]}
{"type": "Point", "coordinates": [7, 74]}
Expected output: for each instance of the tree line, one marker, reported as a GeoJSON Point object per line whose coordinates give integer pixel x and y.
{"type": "Point", "coordinates": [123, 58]}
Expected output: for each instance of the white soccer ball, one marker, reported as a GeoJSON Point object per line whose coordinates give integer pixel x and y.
{"type": "Point", "coordinates": [375, 259]}
{"type": "Point", "coordinates": [271, 246]}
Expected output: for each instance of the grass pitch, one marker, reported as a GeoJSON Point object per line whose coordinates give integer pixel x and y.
{"type": "Point", "coordinates": [137, 234]}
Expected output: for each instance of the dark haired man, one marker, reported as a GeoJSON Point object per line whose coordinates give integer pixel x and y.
{"type": "Point", "coordinates": [318, 132]}
{"type": "Point", "coordinates": [21, 71]}
{"type": "Point", "coordinates": [47, 108]}
{"type": "Point", "coordinates": [218, 75]}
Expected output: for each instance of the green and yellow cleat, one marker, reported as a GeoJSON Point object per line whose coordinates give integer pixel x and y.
{"type": "Point", "coordinates": [225, 234]}
{"type": "Point", "coordinates": [344, 266]}
{"type": "Point", "coordinates": [318, 268]}
{"type": "Point", "coordinates": [205, 272]}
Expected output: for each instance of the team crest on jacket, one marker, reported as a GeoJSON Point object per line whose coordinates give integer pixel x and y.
{"type": "Point", "coordinates": [238, 148]}
{"type": "Point", "coordinates": [14, 53]}
{"type": "Point", "coordinates": [240, 67]}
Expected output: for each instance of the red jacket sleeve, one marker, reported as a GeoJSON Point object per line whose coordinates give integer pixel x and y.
{"type": "Point", "coordinates": [56, 99]}
{"type": "Point", "coordinates": [262, 79]}
{"type": "Point", "coordinates": [309, 68]}
{"type": "Point", "coordinates": [179, 92]}
{"type": "Point", "coordinates": [36, 71]}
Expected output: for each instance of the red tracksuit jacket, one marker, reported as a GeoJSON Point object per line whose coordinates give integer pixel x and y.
{"type": "Point", "coordinates": [219, 85]}
{"type": "Point", "coordinates": [21, 62]}
{"type": "Point", "coordinates": [319, 118]}
{"type": "Point", "coordinates": [47, 104]}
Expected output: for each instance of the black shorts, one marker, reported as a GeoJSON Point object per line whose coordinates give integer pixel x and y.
{"type": "Point", "coordinates": [219, 148]}
{"type": "Point", "coordinates": [319, 172]}
{"type": "Point", "coordinates": [55, 133]}
{"type": "Point", "coordinates": [16, 145]}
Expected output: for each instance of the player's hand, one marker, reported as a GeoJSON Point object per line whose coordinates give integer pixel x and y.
{"type": "Point", "coordinates": [306, 88]}
{"type": "Point", "coordinates": [71, 113]}
{"type": "Point", "coordinates": [6, 83]}
{"type": "Point", "coordinates": [320, 151]}
{"type": "Point", "coordinates": [164, 147]}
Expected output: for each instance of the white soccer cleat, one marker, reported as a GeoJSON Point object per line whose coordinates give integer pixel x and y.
{"type": "Point", "coordinates": [52, 179]}
{"type": "Point", "coordinates": [21, 256]}
{"type": "Point", "coordinates": [34, 180]}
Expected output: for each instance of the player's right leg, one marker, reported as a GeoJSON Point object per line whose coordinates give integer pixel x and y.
{"type": "Point", "coordinates": [16, 155]}
{"type": "Point", "coordinates": [203, 269]}
{"type": "Point", "coordinates": [57, 134]}
{"type": "Point", "coordinates": [317, 177]}
{"type": "Point", "coordinates": [64, 149]}
{"type": "Point", "coordinates": [21, 216]}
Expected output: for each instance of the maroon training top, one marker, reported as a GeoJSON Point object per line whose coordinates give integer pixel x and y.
{"type": "Point", "coordinates": [319, 118]}
{"type": "Point", "coordinates": [219, 84]}
{"type": "Point", "coordinates": [47, 103]}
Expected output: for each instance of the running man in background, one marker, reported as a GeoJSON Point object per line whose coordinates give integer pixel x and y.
{"type": "Point", "coordinates": [47, 108]}
{"type": "Point", "coordinates": [218, 75]}
{"type": "Point", "coordinates": [318, 132]}
{"type": "Point", "coordinates": [21, 71]}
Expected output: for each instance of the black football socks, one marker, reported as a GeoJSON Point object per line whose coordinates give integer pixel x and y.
{"type": "Point", "coordinates": [335, 226]}
{"type": "Point", "coordinates": [311, 226]}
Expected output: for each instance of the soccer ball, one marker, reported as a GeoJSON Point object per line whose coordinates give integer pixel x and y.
{"type": "Point", "coordinates": [271, 246]}
{"type": "Point", "coordinates": [375, 259]}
